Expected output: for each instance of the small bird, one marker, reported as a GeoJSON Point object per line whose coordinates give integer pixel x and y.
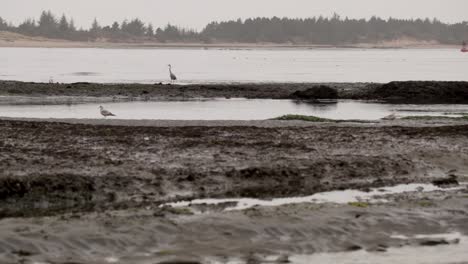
{"type": "Point", "coordinates": [171, 74]}
{"type": "Point", "coordinates": [105, 113]}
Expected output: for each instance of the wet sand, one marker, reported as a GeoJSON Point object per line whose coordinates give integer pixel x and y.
{"type": "Point", "coordinates": [93, 191]}
{"type": "Point", "coordinates": [10, 39]}
{"type": "Point", "coordinates": [152, 235]}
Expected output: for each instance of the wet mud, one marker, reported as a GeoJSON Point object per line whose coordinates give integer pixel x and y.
{"type": "Point", "coordinates": [420, 92]}
{"type": "Point", "coordinates": [49, 168]}
{"type": "Point", "coordinates": [401, 92]}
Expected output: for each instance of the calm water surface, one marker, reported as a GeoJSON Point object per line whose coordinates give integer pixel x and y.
{"type": "Point", "coordinates": [223, 65]}
{"type": "Point", "coordinates": [229, 109]}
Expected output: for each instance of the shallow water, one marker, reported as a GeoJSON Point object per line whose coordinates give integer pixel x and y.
{"type": "Point", "coordinates": [416, 255]}
{"type": "Point", "coordinates": [228, 109]}
{"type": "Point", "coordinates": [224, 65]}
{"type": "Point", "coordinates": [443, 254]}
{"type": "Point", "coordinates": [339, 197]}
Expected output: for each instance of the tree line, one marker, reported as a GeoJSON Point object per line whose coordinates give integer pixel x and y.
{"type": "Point", "coordinates": [50, 26]}
{"type": "Point", "coordinates": [316, 30]}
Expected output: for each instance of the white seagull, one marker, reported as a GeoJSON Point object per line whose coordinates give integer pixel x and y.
{"type": "Point", "coordinates": [105, 113]}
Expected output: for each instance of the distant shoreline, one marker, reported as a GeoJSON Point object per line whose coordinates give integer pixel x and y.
{"type": "Point", "coordinates": [13, 40]}
{"type": "Point", "coordinates": [109, 45]}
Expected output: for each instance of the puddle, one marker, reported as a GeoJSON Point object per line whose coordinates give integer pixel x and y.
{"type": "Point", "coordinates": [219, 109]}
{"type": "Point", "coordinates": [339, 197]}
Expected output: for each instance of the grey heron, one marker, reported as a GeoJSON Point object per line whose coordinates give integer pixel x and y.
{"type": "Point", "coordinates": [171, 74]}
{"type": "Point", "coordinates": [104, 112]}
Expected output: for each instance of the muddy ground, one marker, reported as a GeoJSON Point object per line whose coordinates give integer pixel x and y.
{"type": "Point", "coordinates": [79, 167]}
{"type": "Point", "coordinates": [401, 92]}
{"type": "Point", "coordinates": [82, 193]}
{"type": "Point", "coordinates": [160, 91]}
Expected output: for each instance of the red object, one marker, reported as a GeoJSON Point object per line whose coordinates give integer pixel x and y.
{"type": "Point", "coordinates": [464, 50]}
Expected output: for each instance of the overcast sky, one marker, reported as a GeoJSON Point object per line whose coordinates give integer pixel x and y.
{"type": "Point", "coordinates": [197, 13]}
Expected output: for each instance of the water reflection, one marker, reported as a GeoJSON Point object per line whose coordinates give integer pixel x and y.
{"type": "Point", "coordinates": [318, 107]}
{"type": "Point", "coordinates": [83, 74]}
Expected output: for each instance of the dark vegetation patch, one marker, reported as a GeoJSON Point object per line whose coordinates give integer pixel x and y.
{"type": "Point", "coordinates": [461, 118]}
{"type": "Point", "coordinates": [421, 92]}
{"type": "Point", "coordinates": [304, 118]}
{"type": "Point", "coordinates": [316, 92]}
{"type": "Point", "coordinates": [318, 119]}
{"type": "Point", "coordinates": [398, 92]}
{"type": "Point", "coordinates": [43, 192]}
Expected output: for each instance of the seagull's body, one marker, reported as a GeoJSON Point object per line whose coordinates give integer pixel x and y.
{"type": "Point", "coordinates": [104, 112]}
{"type": "Point", "coordinates": [171, 74]}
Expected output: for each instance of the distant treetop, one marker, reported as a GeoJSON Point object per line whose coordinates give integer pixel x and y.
{"type": "Point", "coordinates": [315, 30]}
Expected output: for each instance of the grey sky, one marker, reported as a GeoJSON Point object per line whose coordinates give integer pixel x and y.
{"type": "Point", "coordinates": [196, 13]}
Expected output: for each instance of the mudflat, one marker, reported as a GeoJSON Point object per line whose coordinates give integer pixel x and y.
{"type": "Point", "coordinates": [393, 92]}
{"type": "Point", "coordinates": [98, 189]}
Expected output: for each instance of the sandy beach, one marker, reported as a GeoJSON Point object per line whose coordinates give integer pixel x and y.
{"type": "Point", "coordinates": [10, 39]}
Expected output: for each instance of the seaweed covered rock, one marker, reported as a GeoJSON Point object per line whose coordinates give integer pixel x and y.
{"type": "Point", "coordinates": [316, 92]}
{"type": "Point", "coordinates": [44, 194]}
{"type": "Point", "coordinates": [422, 92]}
